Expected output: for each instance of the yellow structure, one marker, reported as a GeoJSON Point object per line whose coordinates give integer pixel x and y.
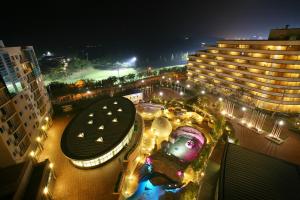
{"type": "Point", "coordinates": [264, 73]}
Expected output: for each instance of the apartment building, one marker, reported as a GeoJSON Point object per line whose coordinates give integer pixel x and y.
{"type": "Point", "coordinates": [25, 109]}
{"type": "Point", "coordinates": [262, 73]}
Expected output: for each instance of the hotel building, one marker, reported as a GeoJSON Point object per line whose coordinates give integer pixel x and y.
{"type": "Point", "coordinates": [25, 109]}
{"type": "Point", "coordinates": [264, 73]}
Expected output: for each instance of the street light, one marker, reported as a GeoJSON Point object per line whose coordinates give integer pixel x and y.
{"type": "Point", "coordinates": [281, 123]}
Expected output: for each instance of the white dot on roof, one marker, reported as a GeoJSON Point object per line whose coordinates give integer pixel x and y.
{"type": "Point", "coordinates": [100, 139]}
{"type": "Point", "coordinates": [91, 114]}
{"type": "Point", "coordinates": [104, 107]}
{"type": "Point", "coordinates": [115, 102]}
{"type": "Point", "coordinates": [80, 135]}
{"type": "Point", "coordinates": [90, 122]}
{"type": "Point", "coordinates": [109, 113]}
{"type": "Point", "coordinates": [115, 120]}
{"type": "Point", "coordinates": [120, 110]}
{"type": "Point", "coordinates": [101, 127]}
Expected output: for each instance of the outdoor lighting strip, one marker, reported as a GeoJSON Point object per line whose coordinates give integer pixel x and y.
{"type": "Point", "coordinates": [104, 158]}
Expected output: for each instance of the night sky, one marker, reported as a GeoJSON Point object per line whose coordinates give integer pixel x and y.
{"type": "Point", "coordinates": [134, 27]}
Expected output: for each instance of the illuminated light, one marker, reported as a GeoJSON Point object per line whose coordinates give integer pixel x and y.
{"type": "Point", "coordinates": [202, 174]}
{"type": "Point", "coordinates": [43, 127]}
{"type": "Point", "coordinates": [38, 139]}
{"type": "Point", "coordinates": [45, 190]}
{"type": "Point", "coordinates": [202, 92]}
{"type": "Point", "coordinates": [88, 92]}
{"type": "Point", "coordinates": [281, 123]}
{"type": "Point", "coordinates": [169, 79]}
{"type": "Point", "coordinates": [104, 107]}
{"type": "Point", "coordinates": [90, 122]}
{"type": "Point", "coordinates": [100, 139]}
{"type": "Point", "coordinates": [177, 81]}
{"type": "Point", "coordinates": [179, 173]}
{"type": "Point", "coordinates": [115, 102]}
{"type": "Point", "coordinates": [115, 120]}
{"type": "Point", "coordinates": [244, 108]}
{"type": "Point", "coordinates": [120, 86]}
{"type": "Point", "coordinates": [220, 99]}
{"type": "Point", "coordinates": [188, 85]}
{"type": "Point", "coordinates": [161, 93]}
{"type": "Point", "coordinates": [259, 130]}
{"type": "Point", "coordinates": [120, 110]}
{"type": "Point", "coordinates": [243, 121]}
{"type": "Point", "coordinates": [109, 113]}
{"type": "Point", "coordinates": [249, 125]}
{"type": "Point", "coordinates": [163, 77]}
{"type": "Point", "coordinates": [143, 81]}
{"type": "Point", "coordinates": [91, 114]}
{"type": "Point", "coordinates": [148, 161]}
{"type": "Point", "coordinates": [223, 112]}
{"type": "Point", "coordinates": [32, 154]}
{"type": "Point", "coordinates": [80, 135]}
{"type": "Point", "coordinates": [47, 118]}
{"type": "Point", "coordinates": [181, 93]}
{"type": "Point", "coordinates": [51, 165]}
{"type": "Point", "coordinates": [101, 127]}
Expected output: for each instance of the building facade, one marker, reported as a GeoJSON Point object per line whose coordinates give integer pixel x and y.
{"type": "Point", "coordinates": [262, 73]}
{"type": "Point", "coordinates": [25, 109]}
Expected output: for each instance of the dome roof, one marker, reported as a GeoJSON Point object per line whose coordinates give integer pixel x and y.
{"type": "Point", "coordinates": [161, 126]}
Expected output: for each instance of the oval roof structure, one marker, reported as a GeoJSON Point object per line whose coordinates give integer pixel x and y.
{"type": "Point", "coordinates": [98, 128]}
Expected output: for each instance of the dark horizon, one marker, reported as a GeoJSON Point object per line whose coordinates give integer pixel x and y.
{"type": "Point", "coordinates": [136, 27]}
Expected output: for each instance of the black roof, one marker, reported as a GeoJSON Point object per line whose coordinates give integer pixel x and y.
{"type": "Point", "coordinates": [86, 146]}
{"type": "Point", "coordinates": [10, 177]}
{"type": "Point", "coordinates": [249, 175]}
{"type": "Point", "coordinates": [37, 181]}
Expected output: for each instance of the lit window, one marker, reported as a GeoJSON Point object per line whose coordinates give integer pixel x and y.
{"type": "Point", "coordinates": [80, 135]}
{"type": "Point", "coordinates": [100, 139]}
{"type": "Point", "coordinates": [101, 127]}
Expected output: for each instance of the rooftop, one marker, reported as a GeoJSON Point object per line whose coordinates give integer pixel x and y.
{"type": "Point", "coordinates": [249, 175]}
{"type": "Point", "coordinates": [98, 128]}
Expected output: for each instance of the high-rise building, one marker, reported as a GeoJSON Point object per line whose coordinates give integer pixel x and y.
{"type": "Point", "coordinates": [25, 109]}
{"type": "Point", "coordinates": [264, 73]}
